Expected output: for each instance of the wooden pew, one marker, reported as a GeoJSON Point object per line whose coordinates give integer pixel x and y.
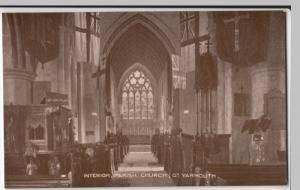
{"type": "Point", "coordinates": [103, 164]}
{"type": "Point", "coordinates": [78, 165]}
{"type": "Point", "coordinates": [236, 174]}
{"type": "Point", "coordinates": [40, 181]}
{"type": "Point", "coordinates": [163, 146]}
{"type": "Point", "coordinates": [168, 161]}
{"type": "Point", "coordinates": [15, 164]}
{"type": "Point", "coordinates": [229, 174]}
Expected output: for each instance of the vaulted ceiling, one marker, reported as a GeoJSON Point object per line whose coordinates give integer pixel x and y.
{"type": "Point", "coordinates": [138, 45]}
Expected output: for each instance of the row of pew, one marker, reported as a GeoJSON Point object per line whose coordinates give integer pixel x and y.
{"type": "Point", "coordinates": [78, 166]}
{"type": "Point", "coordinates": [181, 155]}
{"type": "Point", "coordinates": [169, 152]}
{"type": "Point", "coordinates": [96, 169]}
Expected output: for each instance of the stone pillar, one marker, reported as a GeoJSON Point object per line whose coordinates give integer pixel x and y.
{"type": "Point", "coordinates": [81, 110]}
{"type": "Point", "coordinates": [97, 130]}
{"type": "Point", "coordinates": [268, 81]}
{"type": "Point", "coordinates": [222, 96]}
{"type": "Point", "coordinates": [64, 60]}
{"type": "Point", "coordinates": [102, 101]}
{"type": "Point", "coordinates": [17, 70]}
{"type": "Point", "coordinates": [18, 87]}
{"type": "Point", "coordinates": [268, 97]}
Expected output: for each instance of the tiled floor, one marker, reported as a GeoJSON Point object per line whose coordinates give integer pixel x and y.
{"type": "Point", "coordinates": [140, 168]}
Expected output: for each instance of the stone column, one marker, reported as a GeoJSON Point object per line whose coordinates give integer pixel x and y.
{"type": "Point", "coordinates": [102, 101]}
{"type": "Point", "coordinates": [268, 97]}
{"type": "Point", "coordinates": [17, 70]}
{"type": "Point", "coordinates": [62, 63]}
{"type": "Point", "coordinates": [268, 81]}
{"type": "Point", "coordinates": [81, 110]}
{"type": "Point", "coordinates": [222, 96]}
{"type": "Point", "coordinates": [18, 86]}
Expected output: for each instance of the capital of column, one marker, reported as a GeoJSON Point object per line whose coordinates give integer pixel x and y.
{"type": "Point", "coordinates": [264, 78]}
{"type": "Point", "coordinates": [265, 67]}
{"type": "Point", "coordinates": [19, 74]}
{"type": "Point", "coordinates": [18, 86]}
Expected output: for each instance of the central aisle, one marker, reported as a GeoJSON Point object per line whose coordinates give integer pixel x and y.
{"type": "Point", "coordinates": [140, 168]}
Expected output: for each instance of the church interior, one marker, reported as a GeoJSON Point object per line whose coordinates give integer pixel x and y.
{"type": "Point", "coordinates": [166, 94]}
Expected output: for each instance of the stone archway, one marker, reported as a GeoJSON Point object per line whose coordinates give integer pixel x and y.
{"type": "Point", "coordinates": [149, 21]}
{"type": "Point", "coordinates": [140, 48]}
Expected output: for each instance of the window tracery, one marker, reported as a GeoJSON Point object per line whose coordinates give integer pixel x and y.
{"type": "Point", "coordinates": [137, 97]}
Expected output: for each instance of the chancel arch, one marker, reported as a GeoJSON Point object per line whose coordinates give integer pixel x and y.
{"type": "Point", "coordinates": [140, 51]}
{"type": "Point", "coordinates": [149, 21]}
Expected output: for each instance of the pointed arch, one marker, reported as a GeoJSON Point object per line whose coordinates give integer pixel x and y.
{"type": "Point", "coordinates": [133, 67]}
{"type": "Point", "coordinates": [125, 22]}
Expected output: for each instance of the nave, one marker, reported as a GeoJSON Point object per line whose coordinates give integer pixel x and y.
{"type": "Point", "coordinates": [141, 168]}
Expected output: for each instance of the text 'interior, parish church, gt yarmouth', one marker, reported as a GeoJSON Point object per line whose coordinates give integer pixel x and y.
{"type": "Point", "coordinates": [152, 98]}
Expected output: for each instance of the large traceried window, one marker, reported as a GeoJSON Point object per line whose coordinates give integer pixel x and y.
{"type": "Point", "coordinates": [137, 97]}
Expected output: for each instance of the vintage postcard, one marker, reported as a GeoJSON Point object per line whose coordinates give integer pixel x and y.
{"type": "Point", "coordinates": [150, 97]}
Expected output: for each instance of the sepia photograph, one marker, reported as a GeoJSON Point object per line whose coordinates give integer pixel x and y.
{"type": "Point", "coordinates": [145, 97]}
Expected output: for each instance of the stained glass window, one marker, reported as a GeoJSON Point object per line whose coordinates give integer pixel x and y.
{"type": "Point", "coordinates": [144, 105]}
{"type": "Point", "coordinates": [131, 105]}
{"type": "Point", "coordinates": [150, 104]}
{"type": "Point", "coordinates": [125, 104]}
{"type": "Point", "coordinates": [137, 97]}
{"type": "Point", "coordinates": [137, 112]}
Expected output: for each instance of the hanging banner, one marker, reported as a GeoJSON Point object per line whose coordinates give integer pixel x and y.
{"type": "Point", "coordinates": [178, 73]}
{"type": "Point", "coordinates": [187, 58]}
{"type": "Point", "coordinates": [40, 34]}
{"type": "Point", "coordinates": [87, 37]}
{"type": "Point", "coordinates": [206, 74]}
{"type": "Point", "coordinates": [242, 37]}
{"type": "Point", "coordinates": [94, 50]}
{"type": "Point", "coordinates": [80, 37]}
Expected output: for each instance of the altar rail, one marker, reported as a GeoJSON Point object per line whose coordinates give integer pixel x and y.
{"type": "Point", "coordinates": [137, 130]}
{"type": "Point", "coordinates": [141, 139]}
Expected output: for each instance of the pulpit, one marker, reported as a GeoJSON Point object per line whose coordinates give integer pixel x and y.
{"type": "Point", "coordinates": [46, 128]}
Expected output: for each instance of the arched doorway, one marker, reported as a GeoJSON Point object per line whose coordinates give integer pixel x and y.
{"type": "Point", "coordinates": [139, 55]}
